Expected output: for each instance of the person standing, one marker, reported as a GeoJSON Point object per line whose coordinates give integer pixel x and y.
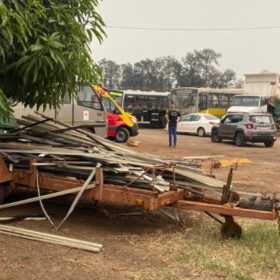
{"type": "Point", "coordinates": [173, 117]}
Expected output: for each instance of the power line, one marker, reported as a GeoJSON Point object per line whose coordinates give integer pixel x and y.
{"type": "Point", "coordinates": [193, 29]}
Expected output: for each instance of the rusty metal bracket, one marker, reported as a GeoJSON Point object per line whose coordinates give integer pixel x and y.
{"type": "Point", "coordinates": [227, 186]}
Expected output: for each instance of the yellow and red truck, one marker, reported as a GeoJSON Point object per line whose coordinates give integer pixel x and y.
{"type": "Point", "coordinates": [120, 124]}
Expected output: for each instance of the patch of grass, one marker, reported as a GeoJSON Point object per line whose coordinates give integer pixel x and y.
{"type": "Point", "coordinates": [255, 256]}
{"type": "Point", "coordinates": [262, 240]}
{"type": "Point", "coordinates": [227, 271]}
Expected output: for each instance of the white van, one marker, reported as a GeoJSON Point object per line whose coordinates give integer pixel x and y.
{"type": "Point", "coordinates": [85, 111]}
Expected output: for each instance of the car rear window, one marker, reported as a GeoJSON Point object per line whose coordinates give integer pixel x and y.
{"type": "Point", "coordinates": [260, 119]}
{"type": "Point", "coordinates": [210, 117]}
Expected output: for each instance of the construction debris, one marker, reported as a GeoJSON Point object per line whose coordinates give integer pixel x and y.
{"type": "Point", "coordinates": [70, 151]}
{"type": "Point", "coordinates": [55, 157]}
{"type": "Point", "coordinates": [50, 238]}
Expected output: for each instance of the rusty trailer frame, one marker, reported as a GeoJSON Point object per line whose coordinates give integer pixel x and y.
{"type": "Point", "coordinates": [147, 199]}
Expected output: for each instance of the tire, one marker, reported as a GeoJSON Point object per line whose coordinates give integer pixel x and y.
{"type": "Point", "coordinates": [122, 135]}
{"type": "Point", "coordinates": [240, 139]}
{"type": "Point", "coordinates": [201, 132]}
{"type": "Point", "coordinates": [215, 137]}
{"type": "Point", "coordinates": [269, 144]}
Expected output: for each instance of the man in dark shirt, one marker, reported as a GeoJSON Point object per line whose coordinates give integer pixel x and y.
{"type": "Point", "coordinates": [173, 117]}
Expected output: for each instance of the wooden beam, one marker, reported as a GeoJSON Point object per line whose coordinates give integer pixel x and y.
{"type": "Point", "coordinates": [49, 238]}
{"type": "Point", "coordinates": [226, 209]}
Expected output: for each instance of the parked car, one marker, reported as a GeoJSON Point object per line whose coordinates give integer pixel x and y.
{"type": "Point", "coordinates": [245, 127]}
{"type": "Point", "coordinates": [200, 124]}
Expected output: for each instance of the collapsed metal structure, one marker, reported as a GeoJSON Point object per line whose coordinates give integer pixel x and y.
{"type": "Point", "coordinates": [56, 158]}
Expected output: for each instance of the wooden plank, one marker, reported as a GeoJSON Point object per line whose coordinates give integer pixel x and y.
{"type": "Point", "coordinates": [226, 209]}
{"type": "Point", "coordinates": [49, 238]}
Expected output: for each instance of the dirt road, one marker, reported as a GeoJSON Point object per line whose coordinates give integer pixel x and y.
{"type": "Point", "coordinates": [261, 175]}
{"type": "Point", "coordinates": [146, 245]}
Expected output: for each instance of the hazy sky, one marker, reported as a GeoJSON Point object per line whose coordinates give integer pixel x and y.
{"type": "Point", "coordinates": [243, 51]}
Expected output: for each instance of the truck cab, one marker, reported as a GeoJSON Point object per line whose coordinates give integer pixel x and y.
{"type": "Point", "coordinates": [249, 104]}
{"type": "Point", "coordinates": [262, 95]}
{"type": "Point", "coordinates": [121, 124]}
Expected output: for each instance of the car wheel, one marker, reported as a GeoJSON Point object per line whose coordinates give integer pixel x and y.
{"type": "Point", "coordinates": [201, 132]}
{"type": "Point", "coordinates": [269, 144]}
{"type": "Point", "coordinates": [122, 135]}
{"type": "Point", "coordinates": [215, 137]}
{"type": "Point", "coordinates": [240, 139]}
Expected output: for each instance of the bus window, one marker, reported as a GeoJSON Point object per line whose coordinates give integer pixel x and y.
{"type": "Point", "coordinates": [142, 101]}
{"type": "Point", "coordinates": [193, 99]}
{"type": "Point", "coordinates": [88, 98]}
{"type": "Point", "coordinates": [230, 100]}
{"type": "Point", "coordinates": [187, 102]}
{"type": "Point", "coordinates": [223, 101]}
{"type": "Point", "coordinates": [128, 101]}
{"type": "Point", "coordinates": [213, 100]}
{"type": "Point", "coordinates": [157, 103]}
{"type": "Point", "coordinates": [202, 104]}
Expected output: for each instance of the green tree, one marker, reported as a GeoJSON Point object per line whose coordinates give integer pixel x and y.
{"type": "Point", "coordinates": [111, 73]}
{"type": "Point", "coordinates": [145, 74]}
{"type": "Point", "coordinates": [44, 49]}
{"type": "Point", "coordinates": [191, 71]}
{"type": "Point", "coordinates": [168, 69]}
{"type": "Point", "coordinates": [208, 62]}
{"type": "Point", "coordinates": [127, 76]}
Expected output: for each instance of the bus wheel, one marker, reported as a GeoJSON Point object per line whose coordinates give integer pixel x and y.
{"type": "Point", "coordinates": [201, 132]}
{"type": "Point", "coordinates": [122, 135]}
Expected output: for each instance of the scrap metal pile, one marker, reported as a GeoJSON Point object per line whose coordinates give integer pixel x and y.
{"type": "Point", "coordinates": [63, 150]}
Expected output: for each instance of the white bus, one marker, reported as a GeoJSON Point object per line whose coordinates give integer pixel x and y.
{"type": "Point", "coordinates": [204, 100]}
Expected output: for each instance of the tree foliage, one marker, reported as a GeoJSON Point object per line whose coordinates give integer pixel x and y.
{"type": "Point", "coordinates": [110, 72]}
{"type": "Point", "coordinates": [197, 69]}
{"type": "Point", "coordinates": [44, 49]}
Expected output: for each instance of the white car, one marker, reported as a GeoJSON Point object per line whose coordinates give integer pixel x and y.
{"type": "Point", "coordinates": [200, 124]}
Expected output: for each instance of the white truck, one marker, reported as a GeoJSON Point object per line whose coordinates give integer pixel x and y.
{"type": "Point", "coordinates": [262, 94]}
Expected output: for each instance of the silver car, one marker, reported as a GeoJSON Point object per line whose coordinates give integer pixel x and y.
{"type": "Point", "coordinates": [245, 127]}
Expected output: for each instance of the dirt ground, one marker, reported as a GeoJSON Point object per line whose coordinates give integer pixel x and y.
{"type": "Point", "coordinates": [140, 246]}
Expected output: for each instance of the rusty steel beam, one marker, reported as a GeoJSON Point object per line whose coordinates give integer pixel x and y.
{"type": "Point", "coordinates": [226, 209]}
{"type": "Point", "coordinates": [117, 194]}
